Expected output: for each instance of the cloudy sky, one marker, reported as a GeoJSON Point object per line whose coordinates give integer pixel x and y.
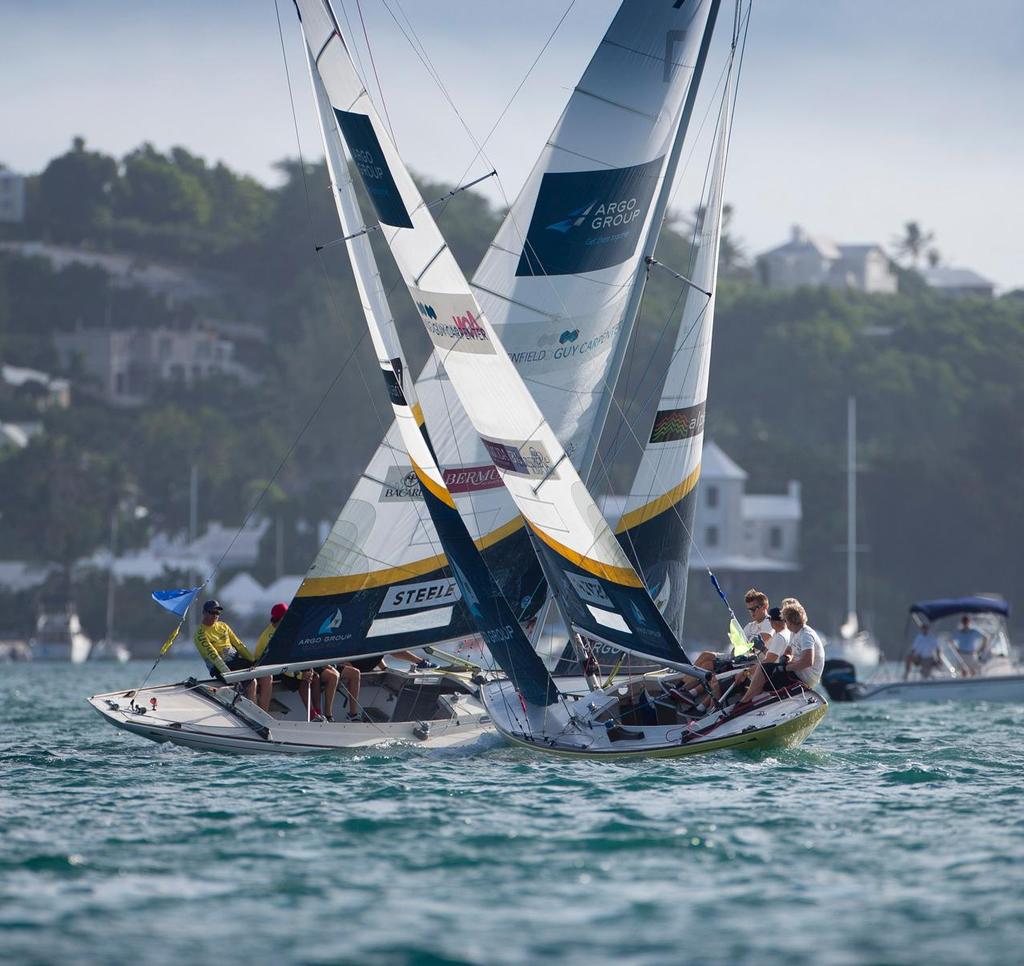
{"type": "Point", "coordinates": [854, 116]}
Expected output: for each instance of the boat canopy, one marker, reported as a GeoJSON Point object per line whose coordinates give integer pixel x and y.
{"type": "Point", "coordinates": [934, 610]}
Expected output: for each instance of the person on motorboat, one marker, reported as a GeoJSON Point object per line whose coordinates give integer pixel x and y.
{"type": "Point", "coordinates": [925, 653]}
{"type": "Point", "coordinates": [220, 647]}
{"type": "Point", "coordinates": [970, 645]}
{"type": "Point", "coordinates": [801, 663]}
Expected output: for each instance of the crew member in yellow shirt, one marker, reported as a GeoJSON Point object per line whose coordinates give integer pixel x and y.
{"type": "Point", "coordinates": [221, 647]}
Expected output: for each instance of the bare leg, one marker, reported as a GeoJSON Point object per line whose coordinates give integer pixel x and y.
{"type": "Point", "coordinates": [264, 690]}
{"type": "Point", "coordinates": [314, 690]}
{"type": "Point", "coordinates": [329, 684]}
{"type": "Point", "coordinates": [351, 680]}
{"type": "Point", "coordinates": [250, 689]}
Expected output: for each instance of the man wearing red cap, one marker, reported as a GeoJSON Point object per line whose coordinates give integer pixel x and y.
{"type": "Point", "coordinates": [265, 685]}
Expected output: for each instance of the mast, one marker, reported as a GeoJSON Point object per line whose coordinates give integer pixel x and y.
{"type": "Point", "coordinates": [851, 514]}
{"type": "Point", "coordinates": [651, 242]}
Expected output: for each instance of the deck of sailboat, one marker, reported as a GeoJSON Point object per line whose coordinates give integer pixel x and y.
{"type": "Point", "coordinates": [434, 710]}
{"type": "Point", "coordinates": [775, 723]}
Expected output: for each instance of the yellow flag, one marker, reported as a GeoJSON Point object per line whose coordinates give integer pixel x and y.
{"type": "Point", "coordinates": [170, 640]}
{"type": "Point", "coordinates": [740, 644]}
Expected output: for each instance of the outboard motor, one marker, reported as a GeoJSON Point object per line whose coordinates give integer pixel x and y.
{"type": "Point", "coordinates": [839, 679]}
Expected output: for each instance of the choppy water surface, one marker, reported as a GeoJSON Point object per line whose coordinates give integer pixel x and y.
{"type": "Point", "coordinates": [894, 835]}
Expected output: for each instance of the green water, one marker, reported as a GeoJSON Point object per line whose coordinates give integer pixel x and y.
{"type": "Point", "coordinates": [894, 835]}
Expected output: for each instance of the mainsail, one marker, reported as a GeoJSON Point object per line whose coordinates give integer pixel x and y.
{"type": "Point", "coordinates": [490, 613]}
{"type": "Point", "coordinates": [562, 329]}
{"type": "Point", "coordinates": [597, 589]}
{"type": "Point", "coordinates": [657, 519]}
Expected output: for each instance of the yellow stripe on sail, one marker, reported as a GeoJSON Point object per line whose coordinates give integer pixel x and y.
{"type": "Point", "coordinates": [650, 510]}
{"type": "Point", "coordinates": [328, 586]}
{"type": "Point", "coordinates": [624, 576]}
{"type": "Point", "coordinates": [441, 492]}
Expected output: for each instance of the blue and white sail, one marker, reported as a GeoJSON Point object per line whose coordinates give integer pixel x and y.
{"type": "Point", "coordinates": [563, 329]}
{"type": "Point", "coordinates": [598, 591]}
{"type": "Point", "coordinates": [656, 524]}
{"type": "Point", "coordinates": [481, 607]}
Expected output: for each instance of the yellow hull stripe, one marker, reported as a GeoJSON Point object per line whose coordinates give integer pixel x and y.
{"type": "Point", "coordinates": [328, 586]}
{"type": "Point", "coordinates": [441, 492]}
{"type": "Point", "coordinates": [624, 576]}
{"type": "Point", "coordinates": [650, 510]}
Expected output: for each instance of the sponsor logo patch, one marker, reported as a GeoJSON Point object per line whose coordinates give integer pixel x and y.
{"type": "Point", "coordinates": [671, 424]}
{"type": "Point", "coordinates": [588, 220]}
{"type": "Point", "coordinates": [527, 459]}
{"type": "Point", "coordinates": [400, 483]}
{"type": "Point", "coordinates": [462, 330]}
{"type": "Point", "coordinates": [331, 623]}
{"type": "Point", "coordinates": [427, 593]}
{"type": "Point", "coordinates": [589, 589]}
{"type": "Point", "coordinates": [368, 155]}
{"type": "Point", "coordinates": [469, 479]}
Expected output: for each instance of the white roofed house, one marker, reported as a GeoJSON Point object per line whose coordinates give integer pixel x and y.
{"type": "Point", "coordinates": [815, 260]}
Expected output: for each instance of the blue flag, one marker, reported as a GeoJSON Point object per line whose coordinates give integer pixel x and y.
{"type": "Point", "coordinates": [176, 601]}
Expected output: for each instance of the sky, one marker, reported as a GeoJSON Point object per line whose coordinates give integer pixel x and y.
{"type": "Point", "coordinates": [853, 117]}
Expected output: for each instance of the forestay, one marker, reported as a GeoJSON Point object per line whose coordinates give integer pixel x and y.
{"type": "Point", "coordinates": [562, 329]}
{"type": "Point", "coordinates": [657, 520]}
{"type": "Point", "coordinates": [596, 587]}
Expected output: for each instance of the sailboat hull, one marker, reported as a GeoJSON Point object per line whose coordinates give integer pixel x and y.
{"type": "Point", "coordinates": [779, 724]}
{"type": "Point", "coordinates": [211, 717]}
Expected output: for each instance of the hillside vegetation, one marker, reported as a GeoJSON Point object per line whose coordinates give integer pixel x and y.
{"type": "Point", "coordinates": [939, 383]}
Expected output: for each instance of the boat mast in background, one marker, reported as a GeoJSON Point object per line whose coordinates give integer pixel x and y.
{"type": "Point", "coordinates": [851, 625]}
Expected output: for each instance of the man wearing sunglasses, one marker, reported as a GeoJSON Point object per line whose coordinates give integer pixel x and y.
{"type": "Point", "coordinates": [759, 629]}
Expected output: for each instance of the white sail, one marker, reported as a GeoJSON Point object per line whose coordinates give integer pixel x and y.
{"type": "Point", "coordinates": [561, 329]}
{"type": "Point", "coordinates": [597, 588]}
{"type": "Point", "coordinates": [657, 519]}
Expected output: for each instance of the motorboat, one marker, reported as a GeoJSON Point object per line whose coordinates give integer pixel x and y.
{"type": "Point", "coordinates": [996, 676]}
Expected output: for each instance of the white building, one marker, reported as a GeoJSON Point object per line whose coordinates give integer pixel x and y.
{"type": "Point", "coordinates": [42, 389]}
{"type": "Point", "coordinates": [12, 196]}
{"type": "Point", "coordinates": [740, 531]}
{"type": "Point", "coordinates": [125, 365]}
{"type": "Point", "coordinates": [813, 260]}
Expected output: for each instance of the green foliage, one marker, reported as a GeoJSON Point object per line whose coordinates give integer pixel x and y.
{"type": "Point", "coordinates": [938, 382]}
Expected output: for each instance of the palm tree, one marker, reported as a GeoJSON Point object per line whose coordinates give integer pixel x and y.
{"type": "Point", "coordinates": [913, 243]}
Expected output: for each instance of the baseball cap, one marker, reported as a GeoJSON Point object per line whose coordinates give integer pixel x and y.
{"type": "Point", "coordinates": [774, 613]}
{"type": "Point", "coordinates": [278, 611]}
{"type": "Point", "coordinates": [212, 607]}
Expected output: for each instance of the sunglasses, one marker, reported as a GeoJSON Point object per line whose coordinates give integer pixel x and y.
{"type": "Point", "coordinates": [754, 608]}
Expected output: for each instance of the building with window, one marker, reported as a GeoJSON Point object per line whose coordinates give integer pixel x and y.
{"type": "Point", "coordinates": [814, 260]}
{"type": "Point", "coordinates": [124, 366]}
{"type": "Point", "coordinates": [740, 531]}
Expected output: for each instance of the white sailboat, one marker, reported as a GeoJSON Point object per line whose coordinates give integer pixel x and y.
{"type": "Point", "coordinates": [59, 637]}
{"type": "Point", "coordinates": [853, 644]}
{"type": "Point", "coordinates": [373, 573]}
{"type": "Point", "coordinates": [472, 383]}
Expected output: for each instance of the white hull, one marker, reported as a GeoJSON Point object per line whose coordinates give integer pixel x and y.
{"type": "Point", "coordinates": [578, 728]}
{"type": "Point", "coordinates": [208, 716]}
{"type": "Point", "coordinates": [994, 688]}
{"type": "Point", "coordinates": [76, 650]}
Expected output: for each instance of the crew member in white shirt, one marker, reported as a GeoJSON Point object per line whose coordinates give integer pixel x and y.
{"type": "Point", "coordinates": [802, 662]}
{"type": "Point", "coordinates": [925, 652]}
{"type": "Point", "coordinates": [759, 626]}
{"type": "Point", "coordinates": [779, 641]}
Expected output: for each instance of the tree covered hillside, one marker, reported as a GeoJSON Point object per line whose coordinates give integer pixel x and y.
{"type": "Point", "coordinates": [939, 383]}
